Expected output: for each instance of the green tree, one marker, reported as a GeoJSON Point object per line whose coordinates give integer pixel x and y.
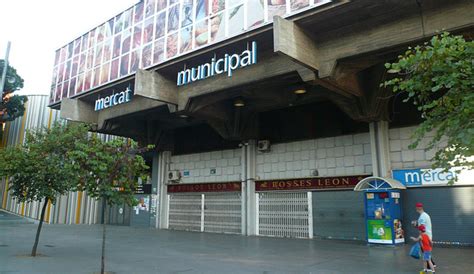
{"type": "Point", "coordinates": [41, 169]}
{"type": "Point", "coordinates": [110, 172]}
{"type": "Point", "coordinates": [12, 106]}
{"type": "Point", "coordinates": [437, 77]}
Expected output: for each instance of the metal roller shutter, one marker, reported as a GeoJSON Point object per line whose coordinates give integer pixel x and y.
{"type": "Point", "coordinates": [185, 212]}
{"type": "Point", "coordinates": [451, 210]}
{"type": "Point", "coordinates": [222, 213]}
{"type": "Point", "coordinates": [339, 215]}
{"type": "Point", "coordinates": [284, 215]}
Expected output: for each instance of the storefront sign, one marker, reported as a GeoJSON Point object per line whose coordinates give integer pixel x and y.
{"type": "Point", "coordinates": [227, 64]}
{"type": "Point", "coordinates": [113, 100]}
{"type": "Point", "coordinates": [342, 182]}
{"type": "Point", "coordinates": [432, 177]}
{"type": "Point", "coordinates": [207, 187]}
{"type": "Point", "coordinates": [143, 189]}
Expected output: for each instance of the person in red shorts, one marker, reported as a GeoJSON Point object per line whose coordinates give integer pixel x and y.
{"type": "Point", "coordinates": [427, 247]}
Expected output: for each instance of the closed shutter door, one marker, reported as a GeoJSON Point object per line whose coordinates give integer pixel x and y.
{"type": "Point", "coordinates": [222, 213]}
{"type": "Point", "coordinates": [283, 214]}
{"type": "Point", "coordinates": [339, 215]}
{"type": "Point", "coordinates": [451, 210]}
{"type": "Point", "coordinates": [185, 212]}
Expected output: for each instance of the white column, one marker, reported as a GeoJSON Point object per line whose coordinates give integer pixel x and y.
{"type": "Point", "coordinates": [379, 142]}
{"type": "Point", "coordinates": [163, 165]}
{"type": "Point", "coordinates": [250, 183]}
{"type": "Point", "coordinates": [243, 194]}
{"type": "Point", "coordinates": [154, 186]}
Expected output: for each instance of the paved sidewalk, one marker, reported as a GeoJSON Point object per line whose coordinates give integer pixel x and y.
{"type": "Point", "coordinates": [76, 249]}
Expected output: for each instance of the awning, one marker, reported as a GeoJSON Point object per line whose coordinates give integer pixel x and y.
{"type": "Point", "coordinates": [378, 183]}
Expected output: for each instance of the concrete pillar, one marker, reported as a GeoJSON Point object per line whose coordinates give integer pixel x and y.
{"type": "Point", "coordinates": [163, 167]}
{"type": "Point", "coordinates": [243, 194]}
{"type": "Point", "coordinates": [251, 200]}
{"type": "Point", "coordinates": [379, 142]}
{"type": "Point", "coordinates": [154, 188]}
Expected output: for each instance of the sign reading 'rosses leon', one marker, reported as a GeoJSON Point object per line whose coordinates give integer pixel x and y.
{"type": "Point", "coordinates": [343, 182]}
{"type": "Point", "coordinates": [226, 64]}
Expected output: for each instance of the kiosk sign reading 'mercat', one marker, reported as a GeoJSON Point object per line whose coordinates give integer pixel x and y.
{"type": "Point", "coordinates": [226, 64]}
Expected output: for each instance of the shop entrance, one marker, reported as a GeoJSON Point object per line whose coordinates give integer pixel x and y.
{"type": "Point", "coordinates": [285, 214]}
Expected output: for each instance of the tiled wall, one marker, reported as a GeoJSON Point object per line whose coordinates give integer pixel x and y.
{"type": "Point", "coordinates": [333, 156]}
{"type": "Point", "coordinates": [403, 157]}
{"type": "Point", "coordinates": [226, 163]}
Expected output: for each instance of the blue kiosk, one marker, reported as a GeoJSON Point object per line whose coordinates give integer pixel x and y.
{"type": "Point", "coordinates": [383, 212]}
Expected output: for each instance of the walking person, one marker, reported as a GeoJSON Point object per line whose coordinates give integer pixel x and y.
{"type": "Point", "coordinates": [425, 220]}
{"type": "Point", "coordinates": [427, 247]}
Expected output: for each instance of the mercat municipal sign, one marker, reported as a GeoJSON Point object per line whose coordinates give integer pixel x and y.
{"type": "Point", "coordinates": [113, 100]}
{"type": "Point", "coordinates": [226, 64]}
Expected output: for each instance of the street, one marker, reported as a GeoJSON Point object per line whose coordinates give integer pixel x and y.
{"type": "Point", "coordinates": [76, 249]}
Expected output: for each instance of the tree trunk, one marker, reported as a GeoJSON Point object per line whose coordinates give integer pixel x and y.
{"type": "Point", "coordinates": [38, 231]}
{"type": "Point", "coordinates": [104, 226]}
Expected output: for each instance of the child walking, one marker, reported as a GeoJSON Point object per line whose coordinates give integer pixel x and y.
{"type": "Point", "coordinates": [426, 247]}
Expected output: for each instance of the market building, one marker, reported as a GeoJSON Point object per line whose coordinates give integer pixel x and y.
{"type": "Point", "coordinates": [266, 114]}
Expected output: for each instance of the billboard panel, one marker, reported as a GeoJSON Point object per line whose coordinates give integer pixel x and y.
{"type": "Point", "coordinates": [155, 31]}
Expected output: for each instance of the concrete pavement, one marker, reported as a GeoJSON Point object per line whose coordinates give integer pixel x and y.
{"type": "Point", "coordinates": [76, 249]}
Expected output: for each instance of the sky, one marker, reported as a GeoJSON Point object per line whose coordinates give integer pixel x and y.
{"type": "Point", "coordinates": [37, 28]}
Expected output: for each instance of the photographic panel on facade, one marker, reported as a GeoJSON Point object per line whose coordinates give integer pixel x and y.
{"type": "Point", "coordinates": [61, 73]}
{"type": "Point", "coordinates": [70, 49]}
{"type": "Point", "coordinates": [124, 64]}
{"type": "Point", "coordinates": [173, 18]}
{"type": "Point", "coordinates": [127, 18]}
{"type": "Point", "coordinates": [186, 13]}
{"type": "Point", "coordinates": [171, 45]}
{"type": "Point", "coordinates": [296, 5]}
{"type": "Point", "coordinates": [104, 74]}
{"type": "Point", "coordinates": [148, 30]}
{"type": "Point", "coordinates": [90, 58]}
{"type": "Point", "coordinates": [80, 83]}
{"type": "Point", "coordinates": [135, 60]}
{"type": "Point", "coordinates": [147, 58]}
{"type": "Point", "coordinates": [65, 89]}
{"type": "Point", "coordinates": [150, 8]}
{"type": "Point", "coordinates": [67, 71]}
{"type": "Point", "coordinates": [96, 81]}
{"type": "Point", "coordinates": [159, 51]}
{"type": "Point", "coordinates": [98, 55]}
{"type": "Point", "coordinates": [88, 80]}
{"type": "Point", "coordinates": [137, 36]}
{"type": "Point", "coordinates": [85, 42]}
{"type": "Point", "coordinates": [255, 14]}
{"type": "Point", "coordinates": [82, 62]}
{"type": "Point", "coordinates": [109, 29]}
{"type": "Point", "coordinates": [116, 47]}
{"type": "Point", "coordinates": [160, 25]}
{"type": "Point", "coordinates": [202, 9]}
{"type": "Point", "coordinates": [107, 52]}
{"type": "Point", "coordinates": [217, 6]}
{"type": "Point", "coordinates": [126, 41]}
{"type": "Point", "coordinates": [138, 14]}
{"type": "Point", "coordinates": [75, 66]}
{"type": "Point", "coordinates": [77, 46]}
{"type": "Point", "coordinates": [59, 92]}
{"type": "Point", "coordinates": [72, 87]}
{"type": "Point", "coordinates": [56, 57]}
{"type": "Point", "coordinates": [171, 2]}
{"type": "Point", "coordinates": [217, 27]}
{"type": "Point", "coordinates": [114, 70]}
{"type": "Point", "coordinates": [62, 55]}
{"type": "Point", "coordinates": [186, 40]}
{"type": "Point", "coordinates": [91, 39]}
{"type": "Point", "coordinates": [236, 20]}
{"type": "Point", "coordinates": [118, 26]}
{"type": "Point", "coordinates": [161, 5]}
{"type": "Point", "coordinates": [100, 33]}
{"type": "Point", "coordinates": [201, 34]}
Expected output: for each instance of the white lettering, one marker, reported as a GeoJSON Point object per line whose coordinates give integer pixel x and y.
{"type": "Point", "coordinates": [113, 100]}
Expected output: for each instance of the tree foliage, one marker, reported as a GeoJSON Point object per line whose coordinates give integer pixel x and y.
{"type": "Point", "coordinates": [41, 169]}
{"type": "Point", "coordinates": [12, 106]}
{"type": "Point", "coordinates": [437, 77]}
